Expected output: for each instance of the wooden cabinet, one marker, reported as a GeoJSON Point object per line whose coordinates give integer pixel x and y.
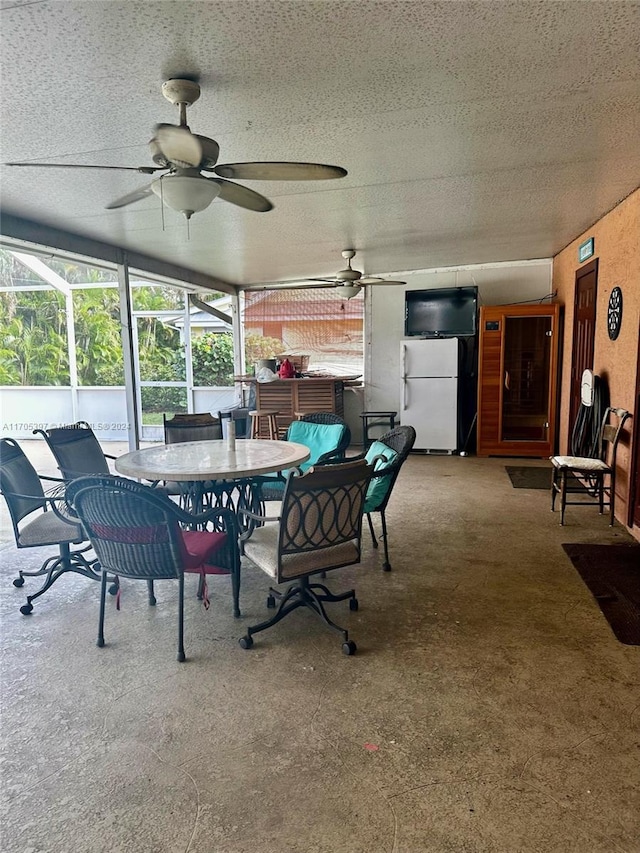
{"type": "Point", "coordinates": [517, 380]}
{"type": "Point", "coordinates": [288, 396]}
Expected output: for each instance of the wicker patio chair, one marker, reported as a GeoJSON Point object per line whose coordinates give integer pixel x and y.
{"type": "Point", "coordinates": [138, 532]}
{"type": "Point", "coordinates": [41, 519]}
{"type": "Point", "coordinates": [387, 454]}
{"type": "Point", "coordinates": [319, 528]}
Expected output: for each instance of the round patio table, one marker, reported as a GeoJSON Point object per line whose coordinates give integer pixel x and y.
{"type": "Point", "coordinates": [194, 461]}
{"type": "Point", "coordinates": [207, 473]}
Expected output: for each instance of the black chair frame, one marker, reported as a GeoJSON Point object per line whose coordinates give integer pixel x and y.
{"type": "Point", "coordinates": [21, 505]}
{"type": "Point", "coordinates": [92, 498]}
{"type": "Point", "coordinates": [401, 439]}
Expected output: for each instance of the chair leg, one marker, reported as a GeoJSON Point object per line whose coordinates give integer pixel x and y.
{"type": "Point", "coordinates": [554, 488]}
{"type": "Point", "coordinates": [372, 531]}
{"type": "Point", "coordinates": [65, 562]}
{"type": "Point", "coordinates": [563, 496]}
{"type": "Point", "coordinates": [235, 591]}
{"type": "Point", "coordinates": [303, 594]}
{"type": "Point", "coordinates": [386, 566]}
{"type": "Point", "coordinates": [612, 498]}
{"type": "Point", "coordinates": [44, 568]}
{"type": "Point", "coordinates": [601, 493]}
{"type": "Point", "coordinates": [181, 654]}
{"type": "Point", "coordinates": [103, 597]}
{"type": "Point", "coordinates": [151, 592]}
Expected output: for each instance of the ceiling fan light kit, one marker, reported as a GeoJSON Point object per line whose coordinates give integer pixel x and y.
{"type": "Point", "coordinates": [348, 291]}
{"type": "Point", "coordinates": [187, 195]}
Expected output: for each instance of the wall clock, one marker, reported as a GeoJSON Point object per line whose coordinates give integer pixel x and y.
{"type": "Point", "coordinates": [614, 313]}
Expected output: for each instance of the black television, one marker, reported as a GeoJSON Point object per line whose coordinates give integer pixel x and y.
{"type": "Point", "coordinates": [449, 312]}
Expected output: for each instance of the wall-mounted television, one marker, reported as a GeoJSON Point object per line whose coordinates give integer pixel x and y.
{"type": "Point", "coordinates": [448, 312]}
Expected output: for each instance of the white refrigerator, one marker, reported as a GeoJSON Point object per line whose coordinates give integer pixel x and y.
{"type": "Point", "coordinates": [429, 392]}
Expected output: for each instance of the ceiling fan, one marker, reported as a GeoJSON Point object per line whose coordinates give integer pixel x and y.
{"type": "Point", "coordinates": [183, 156]}
{"type": "Point", "coordinates": [348, 283]}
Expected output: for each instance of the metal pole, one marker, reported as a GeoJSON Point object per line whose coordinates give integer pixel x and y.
{"type": "Point", "coordinates": [128, 354]}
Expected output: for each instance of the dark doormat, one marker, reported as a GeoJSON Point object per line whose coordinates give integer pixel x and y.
{"type": "Point", "coordinates": [612, 574]}
{"type": "Point", "coordinates": [529, 476]}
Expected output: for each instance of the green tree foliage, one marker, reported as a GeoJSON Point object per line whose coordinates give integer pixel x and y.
{"type": "Point", "coordinates": [212, 359]}
{"type": "Point", "coordinates": [255, 347]}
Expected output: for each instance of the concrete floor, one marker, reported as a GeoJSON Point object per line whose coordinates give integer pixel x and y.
{"type": "Point", "coordinates": [489, 706]}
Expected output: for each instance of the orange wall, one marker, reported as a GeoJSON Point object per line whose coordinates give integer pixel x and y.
{"type": "Point", "coordinates": [617, 247]}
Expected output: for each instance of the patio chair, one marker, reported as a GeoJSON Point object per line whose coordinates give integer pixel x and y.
{"type": "Point", "coordinates": [594, 477]}
{"type": "Point", "coordinates": [387, 455]}
{"type": "Point", "coordinates": [319, 528]}
{"type": "Point", "coordinates": [76, 450]}
{"type": "Point", "coordinates": [191, 427]}
{"type": "Point", "coordinates": [325, 434]}
{"type": "Point", "coordinates": [139, 533]}
{"type": "Point", "coordinates": [39, 520]}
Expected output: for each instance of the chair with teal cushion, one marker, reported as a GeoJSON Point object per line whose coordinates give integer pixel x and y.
{"type": "Point", "coordinates": [388, 454]}
{"type": "Point", "coordinates": [326, 443]}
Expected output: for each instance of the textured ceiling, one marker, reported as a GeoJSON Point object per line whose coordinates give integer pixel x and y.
{"type": "Point", "coordinates": [472, 132]}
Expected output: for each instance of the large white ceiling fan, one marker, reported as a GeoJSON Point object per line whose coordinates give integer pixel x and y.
{"type": "Point", "coordinates": [182, 156]}
{"type": "Point", "coordinates": [349, 282]}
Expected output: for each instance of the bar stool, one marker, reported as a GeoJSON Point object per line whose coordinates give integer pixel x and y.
{"type": "Point", "coordinates": [272, 423]}
{"type": "Point", "coordinates": [375, 419]}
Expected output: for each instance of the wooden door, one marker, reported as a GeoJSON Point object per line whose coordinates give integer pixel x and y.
{"type": "Point", "coordinates": [584, 329]}
{"type": "Point", "coordinates": [633, 518]}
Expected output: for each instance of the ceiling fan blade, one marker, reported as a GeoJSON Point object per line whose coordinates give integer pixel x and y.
{"type": "Point", "coordinates": [136, 195]}
{"type": "Point", "coordinates": [178, 145]}
{"type": "Point", "coordinates": [242, 196]}
{"type": "Point", "coordinates": [279, 171]}
{"type": "Point", "coordinates": [373, 279]}
{"type": "Point", "coordinates": [145, 170]}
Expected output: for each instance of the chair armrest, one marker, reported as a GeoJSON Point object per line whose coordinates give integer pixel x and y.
{"type": "Point", "coordinates": [329, 456]}
{"type": "Point", "coordinates": [214, 514]}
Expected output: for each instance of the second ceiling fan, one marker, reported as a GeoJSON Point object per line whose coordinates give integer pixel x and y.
{"type": "Point", "coordinates": [349, 282]}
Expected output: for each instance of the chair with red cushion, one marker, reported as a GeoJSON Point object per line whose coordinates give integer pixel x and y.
{"type": "Point", "coordinates": [138, 532]}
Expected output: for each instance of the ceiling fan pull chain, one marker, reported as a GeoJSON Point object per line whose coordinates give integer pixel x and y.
{"type": "Point", "coordinates": [162, 201]}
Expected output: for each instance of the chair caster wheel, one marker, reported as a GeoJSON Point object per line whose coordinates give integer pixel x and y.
{"type": "Point", "coordinates": [245, 642]}
{"type": "Point", "coordinates": [100, 643]}
{"type": "Point", "coordinates": [353, 604]}
{"type": "Point", "coordinates": [113, 589]}
{"type": "Point", "coordinates": [18, 582]}
{"type": "Point", "coordinates": [271, 601]}
{"type": "Point", "coordinates": [349, 648]}
{"type": "Point", "coordinates": [386, 567]}
{"type": "Point", "coordinates": [26, 608]}
{"type": "Point", "coordinates": [181, 657]}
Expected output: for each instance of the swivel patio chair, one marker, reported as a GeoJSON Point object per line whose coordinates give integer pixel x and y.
{"type": "Point", "coordinates": [76, 449]}
{"type": "Point", "coordinates": [319, 528]}
{"type": "Point", "coordinates": [41, 519]}
{"type": "Point", "coordinates": [138, 532]}
{"type": "Point", "coordinates": [594, 478]}
{"type": "Point", "coordinates": [387, 455]}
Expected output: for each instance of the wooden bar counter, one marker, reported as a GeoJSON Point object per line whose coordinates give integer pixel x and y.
{"type": "Point", "coordinates": [291, 396]}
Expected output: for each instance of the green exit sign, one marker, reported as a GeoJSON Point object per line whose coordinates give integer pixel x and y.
{"type": "Point", "coordinates": [585, 250]}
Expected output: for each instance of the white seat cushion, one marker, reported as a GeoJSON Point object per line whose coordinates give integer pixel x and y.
{"type": "Point", "coordinates": [579, 463]}
{"type": "Point", "coordinates": [262, 549]}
